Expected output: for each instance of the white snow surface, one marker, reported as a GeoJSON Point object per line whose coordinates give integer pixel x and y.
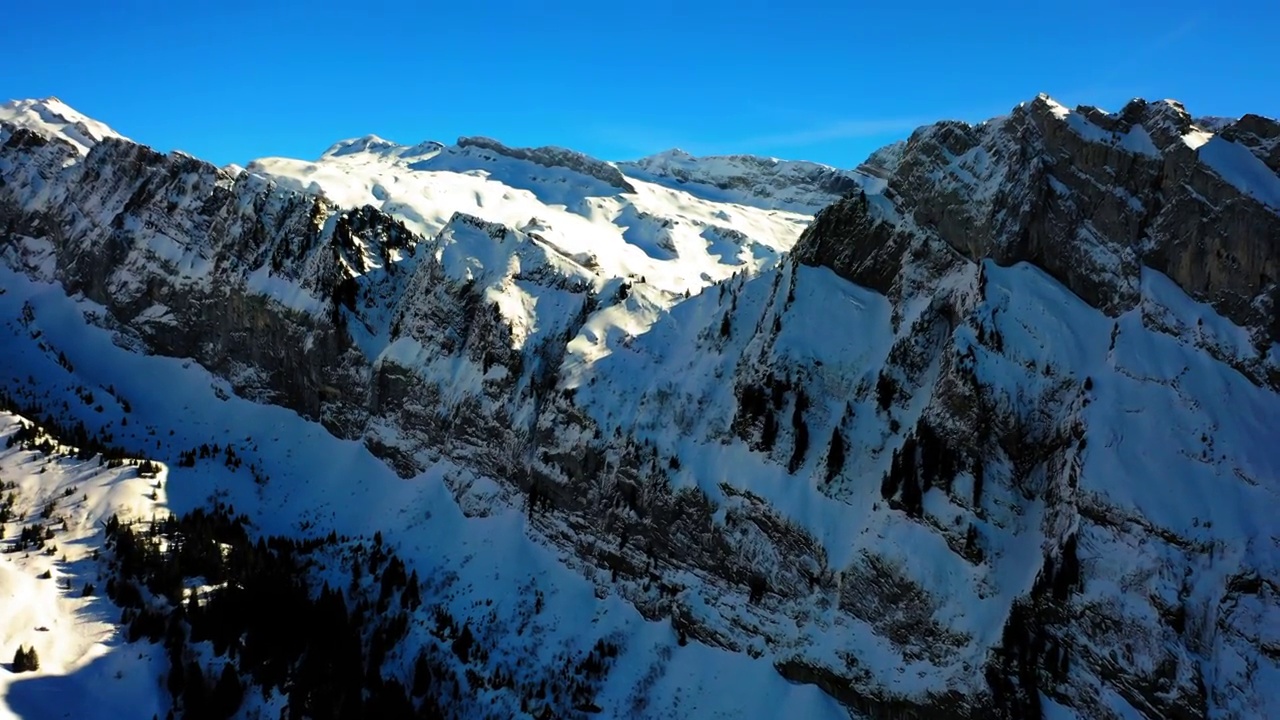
{"type": "Point", "coordinates": [668, 236]}
{"type": "Point", "coordinates": [1176, 439]}
{"type": "Point", "coordinates": [51, 116]}
{"type": "Point", "coordinates": [318, 483]}
{"type": "Point", "coordinates": [1178, 442]}
{"type": "Point", "coordinates": [1235, 164]}
{"type": "Point", "coordinates": [86, 669]}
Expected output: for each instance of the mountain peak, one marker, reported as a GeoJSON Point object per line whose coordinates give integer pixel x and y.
{"type": "Point", "coordinates": [53, 118]}
{"type": "Point", "coordinates": [1089, 196]}
{"type": "Point", "coordinates": [365, 143]}
{"type": "Point", "coordinates": [1043, 101]}
{"type": "Point", "coordinates": [381, 147]}
{"type": "Point", "coordinates": [972, 495]}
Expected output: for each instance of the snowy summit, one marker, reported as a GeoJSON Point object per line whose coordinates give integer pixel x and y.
{"type": "Point", "coordinates": [981, 428]}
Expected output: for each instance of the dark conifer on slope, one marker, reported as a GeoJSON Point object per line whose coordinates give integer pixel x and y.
{"type": "Point", "coordinates": [25, 660]}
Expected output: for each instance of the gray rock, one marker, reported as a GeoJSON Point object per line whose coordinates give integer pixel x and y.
{"type": "Point", "coordinates": [1089, 197]}
{"type": "Point", "coordinates": [557, 158]}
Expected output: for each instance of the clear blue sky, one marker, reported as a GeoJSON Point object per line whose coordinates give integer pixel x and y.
{"type": "Point", "coordinates": [827, 81]}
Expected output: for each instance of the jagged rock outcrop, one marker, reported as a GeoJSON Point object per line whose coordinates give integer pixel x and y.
{"type": "Point", "coordinates": [1260, 134]}
{"type": "Point", "coordinates": [1089, 197]}
{"type": "Point", "coordinates": [247, 280]}
{"type": "Point", "coordinates": [939, 503]}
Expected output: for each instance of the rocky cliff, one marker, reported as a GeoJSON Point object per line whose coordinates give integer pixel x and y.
{"type": "Point", "coordinates": [993, 442]}
{"type": "Point", "coordinates": [1090, 197]}
{"type": "Point", "coordinates": [749, 179]}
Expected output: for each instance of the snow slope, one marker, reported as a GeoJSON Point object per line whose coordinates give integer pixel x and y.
{"type": "Point", "coordinates": [317, 483]}
{"type": "Point", "coordinates": [54, 117]}
{"type": "Point", "coordinates": [675, 240]}
{"type": "Point", "coordinates": [86, 669]}
{"type": "Point", "coordinates": [606, 384]}
{"type": "Point", "coordinates": [1176, 441]}
{"type": "Point", "coordinates": [1235, 164]}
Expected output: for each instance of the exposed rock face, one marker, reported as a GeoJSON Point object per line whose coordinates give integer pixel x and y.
{"type": "Point", "coordinates": [1089, 197]}
{"type": "Point", "coordinates": [1261, 135]}
{"type": "Point", "coordinates": [555, 157]}
{"type": "Point", "coordinates": [751, 179]}
{"type": "Point", "coordinates": [937, 504]}
{"type": "Point", "coordinates": [245, 279]}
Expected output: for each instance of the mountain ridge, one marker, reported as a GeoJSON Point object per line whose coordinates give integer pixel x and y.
{"type": "Point", "coordinates": [1026, 203]}
{"type": "Point", "coordinates": [921, 503]}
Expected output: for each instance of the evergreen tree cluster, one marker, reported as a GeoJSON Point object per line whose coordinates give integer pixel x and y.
{"type": "Point", "coordinates": [758, 405]}
{"type": "Point", "coordinates": [51, 437]}
{"type": "Point", "coordinates": [837, 447]}
{"type": "Point", "coordinates": [924, 461]}
{"type": "Point", "coordinates": [1013, 675]}
{"type": "Point", "coordinates": [886, 391]}
{"type": "Point", "coordinates": [835, 454]}
{"type": "Point", "coordinates": [187, 458]}
{"type": "Point", "coordinates": [266, 624]}
{"type": "Point", "coordinates": [39, 436]}
{"type": "Point", "coordinates": [25, 660]}
{"type": "Point", "coordinates": [756, 419]}
{"type": "Point", "coordinates": [32, 537]}
{"type": "Point", "coordinates": [1033, 656]}
{"type": "Point", "coordinates": [1060, 578]}
{"type": "Point", "coordinates": [7, 503]}
{"type": "Point", "coordinates": [331, 651]}
{"type": "Point", "coordinates": [799, 431]}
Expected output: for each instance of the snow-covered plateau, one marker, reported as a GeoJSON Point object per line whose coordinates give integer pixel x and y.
{"type": "Point", "coordinates": [983, 428]}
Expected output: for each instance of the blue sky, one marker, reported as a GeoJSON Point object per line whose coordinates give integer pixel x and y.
{"type": "Point", "coordinates": [826, 81]}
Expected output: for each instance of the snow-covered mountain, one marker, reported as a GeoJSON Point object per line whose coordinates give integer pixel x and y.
{"type": "Point", "coordinates": [990, 438]}
{"type": "Point", "coordinates": [582, 207]}
{"type": "Point", "coordinates": [748, 179]}
{"type": "Point", "coordinates": [51, 116]}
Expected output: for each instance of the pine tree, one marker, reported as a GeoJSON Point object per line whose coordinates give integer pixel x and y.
{"type": "Point", "coordinates": [176, 682]}
{"type": "Point", "coordinates": [977, 484]}
{"type": "Point", "coordinates": [769, 434]}
{"type": "Point", "coordinates": [462, 645]}
{"type": "Point", "coordinates": [421, 676]}
{"type": "Point", "coordinates": [800, 430]}
{"type": "Point", "coordinates": [886, 390]}
{"type": "Point", "coordinates": [228, 693]}
{"type": "Point", "coordinates": [193, 692]}
{"type": "Point", "coordinates": [835, 454]}
{"type": "Point", "coordinates": [26, 660]}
